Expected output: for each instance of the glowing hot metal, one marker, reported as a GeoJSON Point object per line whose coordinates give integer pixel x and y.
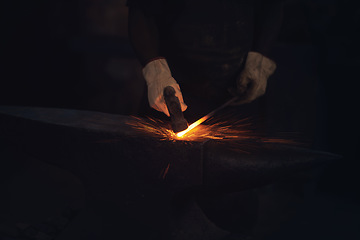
{"type": "Point", "coordinates": [192, 126]}
{"type": "Point", "coordinates": [206, 117]}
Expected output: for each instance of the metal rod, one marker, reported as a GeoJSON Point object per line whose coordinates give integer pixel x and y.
{"type": "Point", "coordinates": [212, 113]}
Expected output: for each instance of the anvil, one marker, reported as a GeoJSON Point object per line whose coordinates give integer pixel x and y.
{"type": "Point", "coordinates": [145, 179]}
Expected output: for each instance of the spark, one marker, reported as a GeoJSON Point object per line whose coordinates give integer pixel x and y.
{"type": "Point", "coordinates": [226, 129]}
{"type": "Point", "coordinates": [237, 134]}
{"type": "Point", "coordinates": [213, 129]}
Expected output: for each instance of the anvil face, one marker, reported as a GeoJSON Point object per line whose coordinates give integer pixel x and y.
{"type": "Point", "coordinates": [143, 175]}
{"type": "Point", "coordinates": [83, 139]}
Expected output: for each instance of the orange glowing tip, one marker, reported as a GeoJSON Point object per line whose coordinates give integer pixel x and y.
{"type": "Point", "coordinates": [192, 126]}
{"type": "Point", "coordinates": [203, 119]}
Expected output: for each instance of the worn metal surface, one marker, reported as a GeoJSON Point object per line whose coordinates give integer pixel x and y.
{"type": "Point", "coordinates": [73, 135]}
{"type": "Point", "coordinates": [80, 139]}
{"type": "Point", "coordinates": [141, 175]}
{"type": "Point", "coordinates": [260, 164]}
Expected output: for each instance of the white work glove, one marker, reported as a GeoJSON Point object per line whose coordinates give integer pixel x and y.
{"type": "Point", "coordinates": [252, 81]}
{"type": "Point", "coordinates": [158, 76]}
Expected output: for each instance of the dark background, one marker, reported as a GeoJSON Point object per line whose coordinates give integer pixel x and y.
{"type": "Point", "coordinates": [76, 54]}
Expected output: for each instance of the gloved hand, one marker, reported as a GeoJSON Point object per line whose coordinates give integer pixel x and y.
{"type": "Point", "coordinates": [252, 81]}
{"type": "Point", "coordinates": [158, 76]}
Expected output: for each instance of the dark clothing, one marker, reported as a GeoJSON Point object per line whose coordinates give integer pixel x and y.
{"type": "Point", "coordinates": [206, 38]}
{"type": "Point", "coordinates": [205, 43]}
{"type": "Point", "coordinates": [207, 47]}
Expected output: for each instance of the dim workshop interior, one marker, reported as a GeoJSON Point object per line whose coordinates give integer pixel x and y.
{"type": "Point", "coordinates": [179, 120]}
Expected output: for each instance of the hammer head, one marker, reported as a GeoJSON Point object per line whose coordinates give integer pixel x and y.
{"type": "Point", "coordinates": [178, 122]}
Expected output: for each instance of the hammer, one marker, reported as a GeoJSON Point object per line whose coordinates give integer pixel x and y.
{"type": "Point", "coordinates": [178, 122]}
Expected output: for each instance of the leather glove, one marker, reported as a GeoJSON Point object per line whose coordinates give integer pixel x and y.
{"type": "Point", "coordinates": [158, 76]}
{"type": "Point", "coordinates": [252, 81]}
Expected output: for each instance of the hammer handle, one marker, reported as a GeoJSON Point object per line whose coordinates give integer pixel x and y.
{"type": "Point", "coordinates": [178, 121]}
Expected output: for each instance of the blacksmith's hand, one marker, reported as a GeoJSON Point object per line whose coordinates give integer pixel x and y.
{"type": "Point", "coordinates": [158, 76]}
{"type": "Point", "coordinates": [252, 81]}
